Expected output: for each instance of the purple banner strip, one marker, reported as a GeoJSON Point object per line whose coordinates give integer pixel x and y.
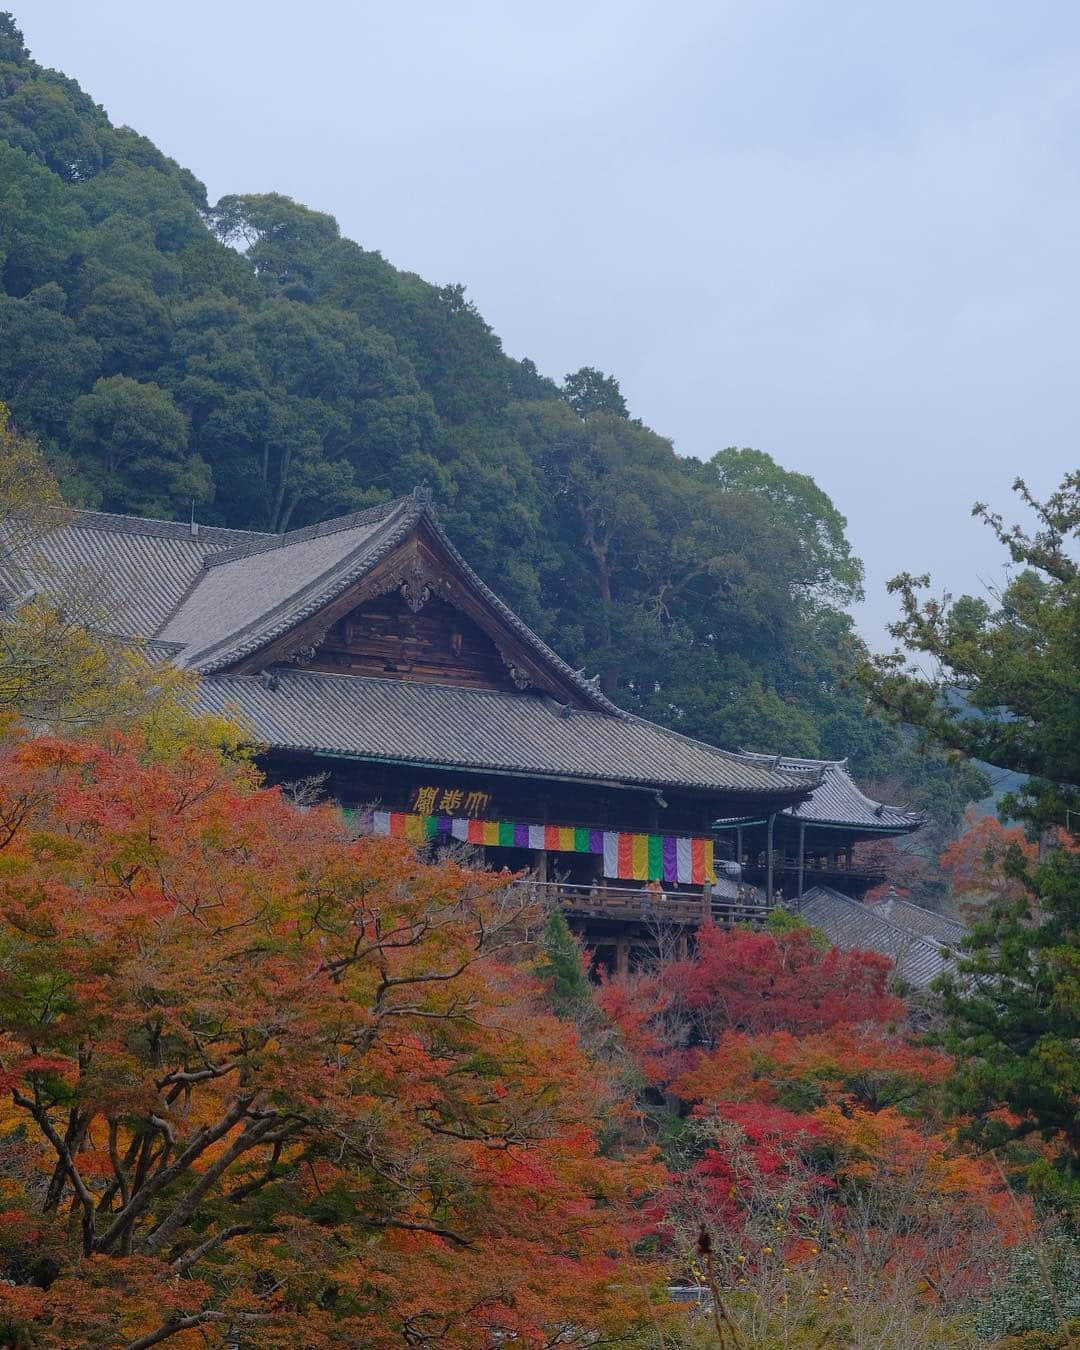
{"type": "Point", "coordinates": [671, 859]}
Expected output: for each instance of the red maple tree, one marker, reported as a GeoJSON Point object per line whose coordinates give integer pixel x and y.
{"type": "Point", "coordinates": [758, 981]}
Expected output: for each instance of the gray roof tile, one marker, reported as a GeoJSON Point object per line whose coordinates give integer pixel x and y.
{"type": "Point", "coordinates": [134, 570]}
{"type": "Point", "coordinates": [850, 924]}
{"type": "Point", "coordinates": [838, 800]}
{"type": "Point", "coordinates": [478, 729]}
{"type": "Point", "coordinates": [245, 598]}
{"type": "Point", "coordinates": [926, 922]}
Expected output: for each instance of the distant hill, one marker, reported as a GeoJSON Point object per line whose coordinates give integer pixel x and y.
{"type": "Point", "coordinates": [244, 357]}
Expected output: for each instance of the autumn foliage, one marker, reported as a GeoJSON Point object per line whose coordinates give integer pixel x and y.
{"type": "Point", "coordinates": [976, 862]}
{"type": "Point", "coordinates": [266, 1084]}
{"type": "Point", "coordinates": [270, 1084]}
{"type": "Point", "coordinates": [755, 981]}
{"type": "Point", "coordinates": [816, 1150]}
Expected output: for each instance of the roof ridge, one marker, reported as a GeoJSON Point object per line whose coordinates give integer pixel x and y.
{"type": "Point", "coordinates": [155, 526]}
{"type": "Point", "coordinates": [268, 542]}
{"type": "Point", "coordinates": [806, 760]}
{"type": "Point", "coordinates": [864, 908]}
{"type": "Point", "coordinates": [474, 692]}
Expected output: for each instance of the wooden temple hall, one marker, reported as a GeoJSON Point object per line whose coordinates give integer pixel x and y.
{"type": "Point", "coordinates": [367, 649]}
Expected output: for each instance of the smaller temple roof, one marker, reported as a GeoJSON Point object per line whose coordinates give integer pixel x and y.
{"type": "Point", "coordinates": [851, 924]}
{"type": "Point", "coordinates": [927, 923]}
{"type": "Point", "coordinates": [837, 801]}
{"type": "Point", "coordinates": [410, 722]}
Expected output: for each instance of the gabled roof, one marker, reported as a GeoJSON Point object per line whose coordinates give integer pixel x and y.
{"type": "Point", "coordinates": [839, 801]}
{"type": "Point", "coordinates": [247, 596]}
{"type": "Point", "coordinates": [850, 924]}
{"type": "Point", "coordinates": [408, 722]}
{"type": "Point", "coordinates": [221, 595]}
{"type": "Point", "coordinates": [214, 600]}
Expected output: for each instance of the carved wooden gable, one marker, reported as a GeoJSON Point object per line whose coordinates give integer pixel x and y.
{"type": "Point", "coordinates": [417, 615]}
{"type": "Point", "coordinates": [436, 643]}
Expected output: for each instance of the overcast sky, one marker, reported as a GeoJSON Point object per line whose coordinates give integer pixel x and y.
{"type": "Point", "coordinates": [845, 233]}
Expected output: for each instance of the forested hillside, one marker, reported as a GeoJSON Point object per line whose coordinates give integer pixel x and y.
{"type": "Point", "coordinates": [245, 357]}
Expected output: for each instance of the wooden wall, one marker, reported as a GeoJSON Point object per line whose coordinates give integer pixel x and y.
{"type": "Point", "coordinates": [437, 645]}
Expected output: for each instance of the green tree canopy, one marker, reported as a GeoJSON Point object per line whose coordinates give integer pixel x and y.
{"type": "Point", "coordinates": [826, 566]}
{"type": "Point", "coordinates": [1006, 688]}
{"type": "Point", "coordinates": [133, 442]}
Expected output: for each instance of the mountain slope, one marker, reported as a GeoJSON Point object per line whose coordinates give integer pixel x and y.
{"type": "Point", "coordinates": [244, 357]}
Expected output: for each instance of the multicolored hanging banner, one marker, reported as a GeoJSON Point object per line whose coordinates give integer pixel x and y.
{"type": "Point", "coordinates": [627, 857]}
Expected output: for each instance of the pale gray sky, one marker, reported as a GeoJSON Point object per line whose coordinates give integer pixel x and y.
{"type": "Point", "coordinates": [845, 233]}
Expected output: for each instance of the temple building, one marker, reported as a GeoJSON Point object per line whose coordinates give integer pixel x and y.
{"type": "Point", "coordinates": [813, 842]}
{"type": "Point", "coordinates": [366, 650]}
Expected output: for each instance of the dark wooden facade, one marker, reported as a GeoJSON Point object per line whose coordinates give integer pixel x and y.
{"type": "Point", "coordinates": [367, 652]}
{"type": "Point", "coordinates": [388, 639]}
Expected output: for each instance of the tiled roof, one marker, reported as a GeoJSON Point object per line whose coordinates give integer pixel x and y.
{"type": "Point", "coordinates": [247, 597]}
{"type": "Point", "coordinates": [838, 800]}
{"type": "Point", "coordinates": [926, 922]}
{"type": "Point", "coordinates": [135, 570]}
{"type": "Point", "coordinates": [403, 721]}
{"type": "Point", "coordinates": [852, 924]}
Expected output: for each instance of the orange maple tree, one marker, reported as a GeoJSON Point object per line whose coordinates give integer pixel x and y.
{"type": "Point", "coordinates": [976, 862]}
{"type": "Point", "coordinates": [269, 1082]}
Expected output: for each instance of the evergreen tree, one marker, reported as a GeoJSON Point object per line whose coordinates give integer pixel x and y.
{"type": "Point", "coordinates": [1009, 693]}
{"type": "Point", "coordinates": [562, 968]}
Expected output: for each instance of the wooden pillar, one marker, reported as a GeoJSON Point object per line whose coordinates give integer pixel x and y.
{"type": "Point", "coordinates": [541, 864]}
{"type": "Point", "coordinates": [847, 857]}
{"type": "Point", "coordinates": [684, 947]}
{"type": "Point", "coordinates": [769, 862]}
{"type": "Point", "coordinates": [622, 956]}
{"type": "Point", "coordinates": [802, 854]}
{"type": "Point", "coordinates": [738, 844]}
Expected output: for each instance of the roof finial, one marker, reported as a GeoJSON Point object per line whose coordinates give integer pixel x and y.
{"type": "Point", "coordinates": [423, 493]}
{"type": "Point", "coordinates": [194, 524]}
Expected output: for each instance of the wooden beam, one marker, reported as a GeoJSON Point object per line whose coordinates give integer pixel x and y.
{"type": "Point", "coordinates": [769, 862]}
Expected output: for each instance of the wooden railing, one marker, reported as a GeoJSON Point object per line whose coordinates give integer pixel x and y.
{"type": "Point", "coordinates": [811, 866]}
{"type": "Point", "coordinates": [636, 905]}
